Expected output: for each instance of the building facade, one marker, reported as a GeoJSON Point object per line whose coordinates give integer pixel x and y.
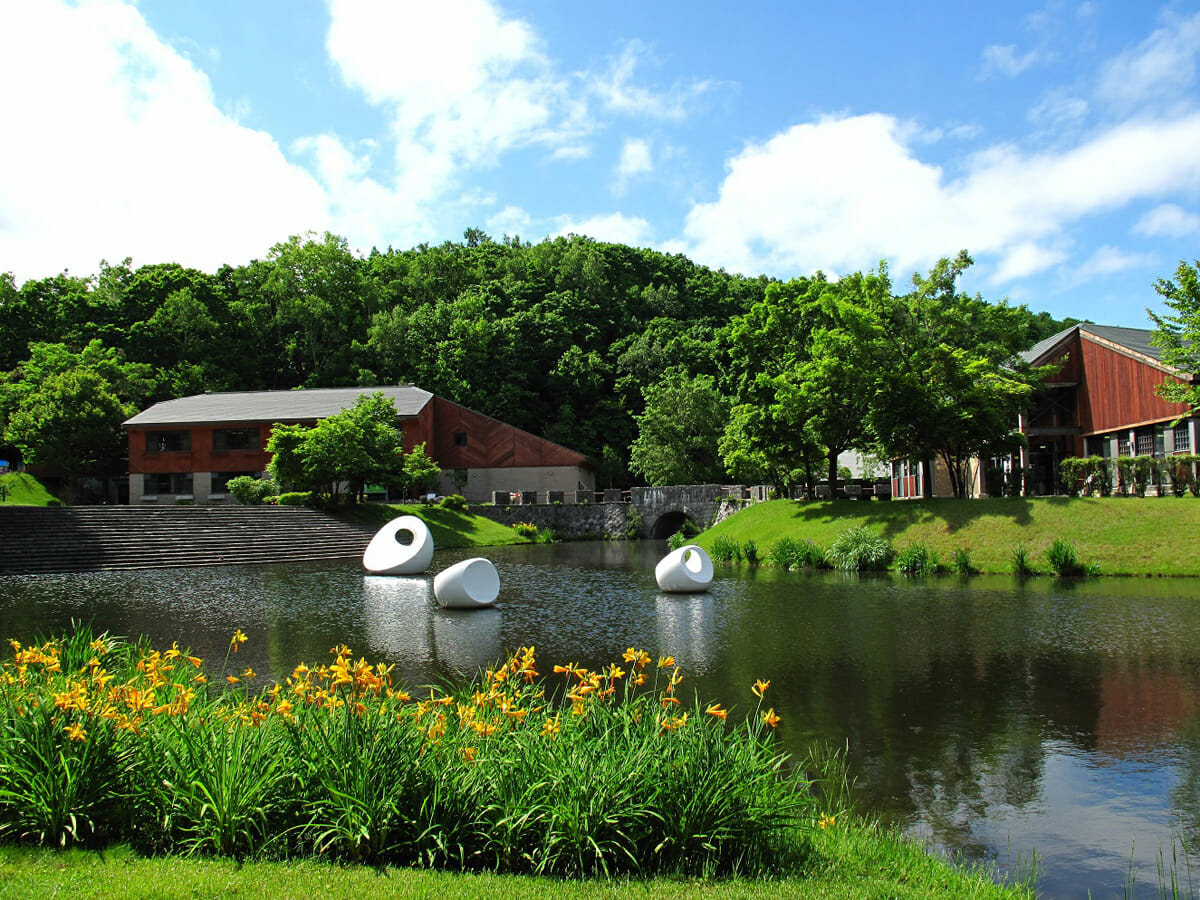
{"type": "Point", "coordinates": [186, 450]}
{"type": "Point", "coordinates": [1102, 402]}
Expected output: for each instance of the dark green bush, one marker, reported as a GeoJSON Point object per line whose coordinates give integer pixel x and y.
{"type": "Point", "coordinates": [295, 498]}
{"type": "Point", "coordinates": [251, 491]}
{"type": "Point", "coordinates": [961, 563]}
{"type": "Point", "coordinates": [1063, 559]}
{"type": "Point", "coordinates": [454, 502]}
{"type": "Point", "coordinates": [1022, 563]}
{"type": "Point", "coordinates": [860, 549]}
{"type": "Point", "coordinates": [917, 559]}
{"type": "Point", "coordinates": [726, 550]}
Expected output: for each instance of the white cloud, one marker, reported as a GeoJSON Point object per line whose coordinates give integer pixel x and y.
{"type": "Point", "coordinates": [841, 194]}
{"type": "Point", "coordinates": [1003, 59]}
{"type": "Point", "coordinates": [617, 92]}
{"type": "Point", "coordinates": [635, 159]}
{"type": "Point", "coordinates": [1058, 110]}
{"type": "Point", "coordinates": [512, 220]}
{"type": "Point", "coordinates": [1168, 220]}
{"type": "Point", "coordinates": [123, 151]}
{"type": "Point", "coordinates": [1108, 260]}
{"type": "Point", "coordinates": [615, 227]}
{"type": "Point", "coordinates": [1160, 69]}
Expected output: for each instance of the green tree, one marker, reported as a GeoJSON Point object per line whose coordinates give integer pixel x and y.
{"type": "Point", "coordinates": [70, 420]}
{"type": "Point", "coordinates": [420, 469]}
{"type": "Point", "coordinates": [1178, 335]}
{"type": "Point", "coordinates": [679, 431]}
{"type": "Point", "coordinates": [358, 445]}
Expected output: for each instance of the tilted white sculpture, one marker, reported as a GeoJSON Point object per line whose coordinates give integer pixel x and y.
{"type": "Point", "coordinates": [385, 555]}
{"type": "Point", "coordinates": [470, 584]}
{"type": "Point", "coordinates": [687, 570]}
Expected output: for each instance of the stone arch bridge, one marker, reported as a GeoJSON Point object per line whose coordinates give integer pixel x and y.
{"type": "Point", "coordinates": [647, 512]}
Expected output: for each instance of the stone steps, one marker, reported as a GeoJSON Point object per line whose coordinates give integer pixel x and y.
{"type": "Point", "coordinates": [77, 539]}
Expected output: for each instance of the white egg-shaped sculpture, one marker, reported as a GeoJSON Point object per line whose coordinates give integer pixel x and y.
{"type": "Point", "coordinates": [687, 570]}
{"type": "Point", "coordinates": [470, 584]}
{"type": "Point", "coordinates": [389, 554]}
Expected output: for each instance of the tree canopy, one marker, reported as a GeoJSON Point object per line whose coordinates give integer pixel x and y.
{"type": "Point", "coordinates": [1178, 335]}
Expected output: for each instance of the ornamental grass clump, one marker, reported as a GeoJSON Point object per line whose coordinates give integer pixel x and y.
{"type": "Point", "coordinates": [585, 772]}
{"type": "Point", "coordinates": [860, 549]}
{"type": "Point", "coordinates": [918, 559]}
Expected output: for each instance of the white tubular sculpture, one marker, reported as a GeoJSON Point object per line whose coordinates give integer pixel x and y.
{"type": "Point", "coordinates": [470, 584]}
{"type": "Point", "coordinates": [385, 555]}
{"type": "Point", "coordinates": [687, 570]}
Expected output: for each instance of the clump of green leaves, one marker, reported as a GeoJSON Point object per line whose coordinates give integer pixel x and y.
{"type": "Point", "coordinates": [454, 502]}
{"type": "Point", "coordinates": [726, 550]}
{"type": "Point", "coordinates": [1022, 562]}
{"type": "Point", "coordinates": [859, 549]}
{"type": "Point", "coordinates": [251, 491]}
{"type": "Point", "coordinates": [1063, 559]}
{"type": "Point", "coordinates": [960, 562]}
{"type": "Point", "coordinates": [918, 559]}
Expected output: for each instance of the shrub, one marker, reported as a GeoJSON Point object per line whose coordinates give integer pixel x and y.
{"type": "Point", "coordinates": [1143, 472]}
{"type": "Point", "coordinates": [454, 502]}
{"type": "Point", "coordinates": [1022, 564]}
{"type": "Point", "coordinates": [726, 550]}
{"type": "Point", "coordinates": [1181, 472]}
{"type": "Point", "coordinates": [750, 551]}
{"type": "Point", "coordinates": [251, 491]}
{"type": "Point", "coordinates": [785, 553]}
{"type": "Point", "coordinates": [917, 559]}
{"type": "Point", "coordinates": [677, 540]}
{"type": "Point", "coordinates": [525, 529]}
{"type": "Point", "coordinates": [1063, 560]}
{"type": "Point", "coordinates": [296, 498]}
{"type": "Point", "coordinates": [960, 562]}
{"type": "Point", "coordinates": [860, 549]}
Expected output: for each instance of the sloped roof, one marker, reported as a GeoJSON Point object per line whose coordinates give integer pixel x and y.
{"type": "Point", "coordinates": [274, 406]}
{"type": "Point", "coordinates": [1133, 340]}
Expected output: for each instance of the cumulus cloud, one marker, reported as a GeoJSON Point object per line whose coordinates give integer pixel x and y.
{"type": "Point", "coordinates": [1108, 260]}
{"type": "Point", "coordinates": [615, 227]}
{"type": "Point", "coordinates": [1168, 220]}
{"type": "Point", "coordinates": [123, 151]}
{"type": "Point", "coordinates": [843, 193]}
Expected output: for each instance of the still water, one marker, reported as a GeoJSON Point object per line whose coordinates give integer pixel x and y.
{"type": "Point", "coordinates": [993, 719]}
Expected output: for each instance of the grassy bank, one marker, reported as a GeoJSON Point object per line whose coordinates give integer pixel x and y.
{"type": "Point", "coordinates": [450, 528]}
{"type": "Point", "coordinates": [1125, 535]}
{"type": "Point", "coordinates": [856, 862]}
{"type": "Point", "coordinates": [24, 490]}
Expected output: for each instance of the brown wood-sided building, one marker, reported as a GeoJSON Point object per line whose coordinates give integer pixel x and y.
{"type": "Point", "coordinates": [187, 449]}
{"type": "Point", "coordinates": [1102, 402]}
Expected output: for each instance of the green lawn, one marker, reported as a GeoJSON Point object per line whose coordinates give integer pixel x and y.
{"type": "Point", "coordinates": [24, 490]}
{"type": "Point", "coordinates": [855, 862]}
{"type": "Point", "coordinates": [1125, 535]}
{"type": "Point", "coordinates": [449, 528]}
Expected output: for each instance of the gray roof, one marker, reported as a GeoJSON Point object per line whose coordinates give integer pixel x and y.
{"type": "Point", "coordinates": [274, 406]}
{"type": "Point", "coordinates": [1136, 340]}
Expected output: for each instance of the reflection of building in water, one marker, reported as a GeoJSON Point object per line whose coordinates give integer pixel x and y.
{"type": "Point", "coordinates": [467, 641]}
{"type": "Point", "coordinates": [396, 611]}
{"type": "Point", "coordinates": [1142, 706]}
{"type": "Point", "coordinates": [686, 629]}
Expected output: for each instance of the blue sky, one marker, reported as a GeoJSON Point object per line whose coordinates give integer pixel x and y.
{"type": "Point", "coordinates": [1058, 142]}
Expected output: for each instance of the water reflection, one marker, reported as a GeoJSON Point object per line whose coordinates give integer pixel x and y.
{"type": "Point", "coordinates": [992, 717]}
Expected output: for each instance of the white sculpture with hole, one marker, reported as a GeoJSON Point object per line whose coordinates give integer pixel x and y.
{"type": "Point", "coordinates": [404, 546]}
{"type": "Point", "coordinates": [470, 584]}
{"type": "Point", "coordinates": [687, 570]}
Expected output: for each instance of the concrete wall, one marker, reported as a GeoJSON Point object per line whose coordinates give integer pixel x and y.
{"type": "Point", "coordinates": [482, 483]}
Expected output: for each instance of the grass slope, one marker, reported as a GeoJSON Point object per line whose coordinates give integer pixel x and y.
{"type": "Point", "coordinates": [1125, 535]}
{"type": "Point", "coordinates": [449, 528]}
{"type": "Point", "coordinates": [855, 862]}
{"type": "Point", "coordinates": [25, 490]}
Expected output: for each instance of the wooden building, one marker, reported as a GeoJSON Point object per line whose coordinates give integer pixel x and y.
{"type": "Point", "coordinates": [187, 449]}
{"type": "Point", "coordinates": [1102, 402]}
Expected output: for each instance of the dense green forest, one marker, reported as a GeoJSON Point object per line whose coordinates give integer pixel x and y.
{"type": "Point", "coordinates": [566, 338]}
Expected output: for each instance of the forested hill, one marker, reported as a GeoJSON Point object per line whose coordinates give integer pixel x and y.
{"type": "Point", "coordinates": [560, 338]}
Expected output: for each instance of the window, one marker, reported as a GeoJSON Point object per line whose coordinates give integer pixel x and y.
{"type": "Point", "coordinates": [168, 441]}
{"type": "Point", "coordinates": [1145, 443]}
{"type": "Point", "coordinates": [220, 481]}
{"type": "Point", "coordinates": [164, 483]}
{"type": "Point", "coordinates": [1124, 448]}
{"type": "Point", "coordinates": [460, 439]}
{"type": "Point", "coordinates": [235, 439]}
{"type": "Point", "coordinates": [1183, 439]}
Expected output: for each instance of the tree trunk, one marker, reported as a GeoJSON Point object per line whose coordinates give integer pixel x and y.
{"type": "Point", "coordinates": [833, 473]}
{"type": "Point", "coordinates": [926, 480]}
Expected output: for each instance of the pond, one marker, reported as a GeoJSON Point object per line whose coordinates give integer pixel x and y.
{"type": "Point", "coordinates": [993, 719]}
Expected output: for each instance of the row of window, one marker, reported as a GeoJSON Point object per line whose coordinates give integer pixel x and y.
{"type": "Point", "coordinates": [1156, 440]}
{"type": "Point", "coordinates": [223, 439]}
{"type": "Point", "coordinates": [154, 483]}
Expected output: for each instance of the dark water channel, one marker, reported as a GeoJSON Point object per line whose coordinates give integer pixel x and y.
{"type": "Point", "coordinates": [994, 719]}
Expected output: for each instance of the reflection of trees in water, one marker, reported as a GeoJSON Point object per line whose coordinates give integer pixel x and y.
{"type": "Point", "coordinates": [1185, 796]}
